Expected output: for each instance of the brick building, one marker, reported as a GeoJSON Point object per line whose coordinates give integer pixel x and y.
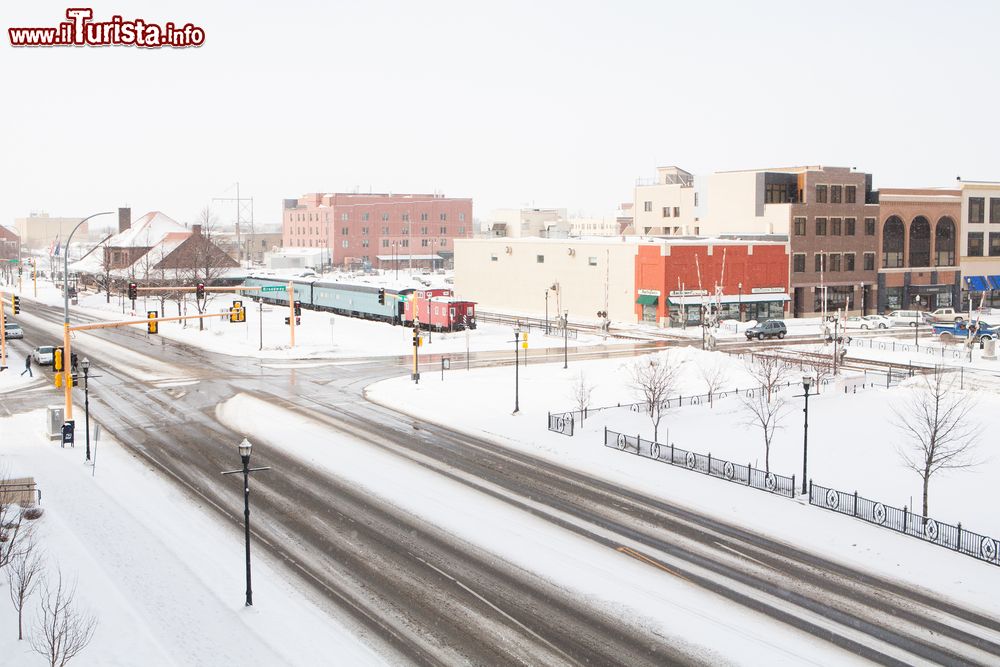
{"type": "Point", "coordinates": [378, 229]}
{"type": "Point", "coordinates": [918, 252]}
{"type": "Point", "coordinates": [10, 244]}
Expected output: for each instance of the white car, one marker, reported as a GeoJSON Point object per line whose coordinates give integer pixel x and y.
{"type": "Point", "coordinates": [43, 355]}
{"type": "Point", "coordinates": [877, 322]}
{"type": "Point", "coordinates": [908, 318]}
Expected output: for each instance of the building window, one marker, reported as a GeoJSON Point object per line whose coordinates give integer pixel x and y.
{"type": "Point", "coordinates": [461, 231]}
{"type": "Point", "coordinates": [405, 231]}
{"type": "Point", "coordinates": [364, 243]}
{"type": "Point", "coordinates": [423, 230]}
{"type": "Point", "coordinates": [800, 226]}
{"type": "Point", "coordinates": [994, 210]}
{"type": "Point", "coordinates": [423, 217]}
{"type": "Point", "coordinates": [345, 231]}
{"type": "Point", "coordinates": [869, 261]}
{"type": "Point", "coordinates": [461, 217]}
{"type": "Point", "coordinates": [777, 193]}
{"type": "Point", "coordinates": [848, 261]}
{"type": "Point", "coordinates": [851, 194]}
{"type": "Point", "coordinates": [666, 211]}
{"type": "Point", "coordinates": [385, 243]}
{"type": "Point", "coordinates": [343, 244]}
{"type": "Point", "coordinates": [820, 226]}
{"type": "Point", "coordinates": [385, 217]}
{"type": "Point", "coordinates": [364, 231]}
{"type": "Point", "coordinates": [364, 217]}
{"type": "Point", "coordinates": [835, 227]}
{"type": "Point", "coordinates": [647, 206]}
{"type": "Point", "coordinates": [893, 238]}
{"type": "Point", "coordinates": [493, 258]}
{"type": "Point", "coordinates": [444, 217]}
{"type": "Point", "coordinates": [677, 211]}
{"type": "Point", "coordinates": [836, 194]}
{"type": "Point", "coordinates": [820, 194]}
{"type": "Point", "coordinates": [385, 229]}
{"type": "Point", "coordinates": [424, 243]}
{"type": "Point", "coordinates": [849, 226]}
{"type": "Point", "coordinates": [540, 259]}
{"type": "Point", "coordinates": [592, 261]}
{"type": "Point", "coordinates": [798, 263]}
{"type": "Point", "coordinates": [444, 231]}
{"type": "Point", "coordinates": [405, 243]}
{"type": "Point", "coordinates": [444, 242]}
{"type": "Point", "coordinates": [975, 244]}
{"type": "Point", "coordinates": [406, 217]}
{"type": "Point", "coordinates": [820, 262]}
{"type": "Point", "coordinates": [976, 206]}
{"type": "Point", "coordinates": [835, 262]}
{"type": "Point", "coordinates": [994, 244]}
{"type": "Point", "coordinates": [869, 226]}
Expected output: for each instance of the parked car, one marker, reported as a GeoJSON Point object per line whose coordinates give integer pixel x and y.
{"type": "Point", "coordinates": [962, 329]}
{"type": "Point", "coordinates": [946, 315]}
{"type": "Point", "coordinates": [858, 322]}
{"type": "Point", "coordinates": [768, 329]}
{"type": "Point", "coordinates": [13, 330]}
{"type": "Point", "coordinates": [909, 318]}
{"type": "Point", "coordinates": [43, 355]}
{"type": "Point", "coordinates": [877, 322]}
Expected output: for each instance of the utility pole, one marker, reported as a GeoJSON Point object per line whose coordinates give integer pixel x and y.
{"type": "Point", "coordinates": [241, 209]}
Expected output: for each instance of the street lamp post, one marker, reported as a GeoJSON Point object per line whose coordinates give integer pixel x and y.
{"type": "Point", "coordinates": [566, 340]}
{"type": "Point", "coordinates": [517, 364]}
{"type": "Point", "coordinates": [85, 364]}
{"type": "Point", "coordinates": [740, 306]}
{"type": "Point", "coordinates": [806, 384]}
{"type": "Point", "coordinates": [245, 448]}
{"type": "Point", "coordinates": [546, 311]}
{"type": "Point", "coordinates": [916, 321]}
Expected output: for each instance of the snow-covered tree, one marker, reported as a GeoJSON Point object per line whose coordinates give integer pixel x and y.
{"type": "Point", "coordinates": [581, 392]}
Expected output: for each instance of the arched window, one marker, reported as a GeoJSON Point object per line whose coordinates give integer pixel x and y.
{"type": "Point", "coordinates": [920, 242]}
{"type": "Point", "coordinates": [944, 242]}
{"type": "Point", "coordinates": [892, 243]}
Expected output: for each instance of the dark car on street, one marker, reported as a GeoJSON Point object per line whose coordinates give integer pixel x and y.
{"type": "Point", "coordinates": [768, 329]}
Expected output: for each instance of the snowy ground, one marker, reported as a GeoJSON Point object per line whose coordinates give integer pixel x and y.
{"type": "Point", "coordinates": [852, 447]}
{"type": "Point", "coordinates": [321, 335]}
{"type": "Point", "coordinates": [165, 584]}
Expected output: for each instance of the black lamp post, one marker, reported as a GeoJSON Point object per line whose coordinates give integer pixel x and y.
{"type": "Point", "coordinates": [517, 372]}
{"type": "Point", "coordinates": [546, 311]}
{"type": "Point", "coordinates": [566, 340]}
{"type": "Point", "coordinates": [739, 286]}
{"type": "Point", "coordinates": [916, 321]}
{"type": "Point", "coordinates": [244, 448]}
{"type": "Point", "coordinates": [806, 384]}
{"type": "Point", "coordinates": [85, 364]}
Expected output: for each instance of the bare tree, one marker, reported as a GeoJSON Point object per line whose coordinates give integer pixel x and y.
{"type": "Point", "coordinates": [22, 576]}
{"type": "Point", "coordinates": [208, 262]}
{"type": "Point", "coordinates": [764, 404]}
{"type": "Point", "coordinates": [821, 370]}
{"type": "Point", "coordinates": [581, 394]}
{"type": "Point", "coordinates": [106, 265]}
{"type": "Point", "coordinates": [62, 630]}
{"type": "Point", "coordinates": [654, 378]}
{"type": "Point", "coordinates": [715, 376]}
{"type": "Point", "coordinates": [938, 429]}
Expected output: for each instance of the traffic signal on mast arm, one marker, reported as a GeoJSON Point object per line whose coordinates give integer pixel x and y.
{"type": "Point", "coordinates": [199, 291]}
{"type": "Point", "coordinates": [152, 326]}
{"type": "Point", "coordinates": [133, 291]}
{"type": "Point", "coordinates": [298, 309]}
{"type": "Point", "coordinates": [16, 304]}
{"type": "Point", "coordinates": [57, 359]}
{"type": "Point", "coordinates": [381, 296]}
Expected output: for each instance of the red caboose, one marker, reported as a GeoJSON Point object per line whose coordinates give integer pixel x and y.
{"type": "Point", "coordinates": [439, 310]}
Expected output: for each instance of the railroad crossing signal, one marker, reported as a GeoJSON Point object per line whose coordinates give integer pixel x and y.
{"type": "Point", "coordinates": [133, 291]}
{"type": "Point", "coordinates": [381, 296]}
{"type": "Point", "coordinates": [16, 304]}
{"type": "Point", "coordinates": [199, 291]}
{"type": "Point", "coordinates": [152, 325]}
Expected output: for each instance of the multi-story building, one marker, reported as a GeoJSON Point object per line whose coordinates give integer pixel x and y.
{"type": "Point", "coordinates": [378, 229]}
{"type": "Point", "coordinates": [523, 222]}
{"type": "Point", "coordinates": [594, 226]}
{"type": "Point", "coordinates": [39, 230]}
{"type": "Point", "coordinates": [918, 262]}
{"type": "Point", "coordinates": [665, 205]}
{"type": "Point", "coordinates": [10, 244]}
{"type": "Point", "coordinates": [980, 241]}
{"type": "Point", "coordinates": [830, 215]}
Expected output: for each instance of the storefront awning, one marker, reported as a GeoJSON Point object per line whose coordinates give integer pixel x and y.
{"type": "Point", "coordinates": [977, 284]}
{"type": "Point", "coordinates": [728, 298]}
{"type": "Point", "coordinates": [994, 282]}
{"type": "Point", "coordinates": [647, 299]}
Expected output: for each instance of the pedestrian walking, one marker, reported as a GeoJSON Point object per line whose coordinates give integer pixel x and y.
{"type": "Point", "coordinates": [27, 366]}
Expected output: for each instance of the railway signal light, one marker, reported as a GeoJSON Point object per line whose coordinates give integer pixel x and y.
{"type": "Point", "coordinates": [16, 304]}
{"type": "Point", "coordinates": [199, 291]}
{"type": "Point", "coordinates": [381, 296]}
{"type": "Point", "coordinates": [298, 310]}
{"type": "Point", "coordinates": [133, 291]}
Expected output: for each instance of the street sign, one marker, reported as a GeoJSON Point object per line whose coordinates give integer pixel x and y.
{"type": "Point", "coordinates": [274, 288]}
{"type": "Point", "coordinates": [13, 261]}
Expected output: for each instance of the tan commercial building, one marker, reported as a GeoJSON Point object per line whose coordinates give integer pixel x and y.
{"type": "Point", "coordinates": [524, 222]}
{"type": "Point", "coordinates": [39, 230]}
{"type": "Point", "coordinates": [665, 205]}
{"type": "Point", "coordinates": [583, 276]}
{"type": "Point", "coordinates": [980, 242]}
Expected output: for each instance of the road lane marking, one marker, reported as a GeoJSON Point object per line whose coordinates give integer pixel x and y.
{"type": "Point", "coordinates": [628, 551]}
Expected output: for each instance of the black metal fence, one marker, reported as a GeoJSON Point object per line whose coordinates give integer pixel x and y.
{"type": "Point", "coordinates": [562, 422]}
{"type": "Point", "coordinates": [956, 538]}
{"type": "Point", "coordinates": [737, 473]}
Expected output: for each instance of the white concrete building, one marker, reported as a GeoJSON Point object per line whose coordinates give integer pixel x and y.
{"type": "Point", "coordinates": [524, 222]}
{"type": "Point", "coordinates": [606, 226]}
{"type": "Point", "coordinates": [41, 230]}
{"type": "Point", "coordinates": [583, 276]}
{"type": "Point", "coordinates": [666, 205]}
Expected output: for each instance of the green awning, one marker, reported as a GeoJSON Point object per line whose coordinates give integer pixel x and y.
{"type": "Point", "coordinates": [647, 299]}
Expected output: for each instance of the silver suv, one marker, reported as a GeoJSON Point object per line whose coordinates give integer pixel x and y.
{"type": "Point", "coordinates": [768, 329]}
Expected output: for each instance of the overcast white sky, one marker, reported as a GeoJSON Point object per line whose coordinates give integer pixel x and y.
{"type": "Point", "coordinates": [546, 103]}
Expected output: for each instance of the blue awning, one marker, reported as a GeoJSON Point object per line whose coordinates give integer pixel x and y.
{"type": "Point", "coordinates": [994, 282]}
{"type": "Point", "coordinates": [977, 284]}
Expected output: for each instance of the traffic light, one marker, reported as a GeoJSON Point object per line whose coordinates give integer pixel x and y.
{"type": "Point", "coordinates": [237, 313]}
{"type": "Point", "coordinates": [133, 291]}
{"type": "Point", "coordinates": [298, 320]}
{"type": "Point", "coordinates": [381, 296]}
{"type": "Point", "coordinates": [57, 359]}
{"type": "Point", "coordinates": [298, 309]}
{"type": "Point", "coordinates": [288, 320]}
{"type": "Point", "coordinates": [416, 338]}
{"type": "Point", "coordinates": [524, 339]}
{"type": "Point", "coordinates": [152, 325]}
{"type": "Point", "coordinates": [199, 291]}
{"type": "Point", "coordinates": [16, 304]}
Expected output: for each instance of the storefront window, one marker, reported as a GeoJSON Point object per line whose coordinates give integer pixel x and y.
{"type": "Point", "coordinates": [893, 298]}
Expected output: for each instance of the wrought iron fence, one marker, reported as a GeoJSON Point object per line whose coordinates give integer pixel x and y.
{"type": "Point", "coordinates": [562, 422]}
{"type": "Point", "coordinates": [956, 538]}
{"type": "Point", "coordinates": [895, 346]}
{"type": "Point", "coordinates": [737, 473]}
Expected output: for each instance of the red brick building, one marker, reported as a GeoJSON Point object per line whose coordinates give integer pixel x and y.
{"type": "Point", "coordinates": [379, 230]}
{"type": "Point", "coordinates": [675, 279]}
{"type": "Point", "coordinates": [10, 244]}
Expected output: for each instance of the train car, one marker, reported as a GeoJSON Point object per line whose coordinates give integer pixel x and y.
{"type": "Point", "coordinates": [439, 310]}
{"type": "Point", "coordinates": [344, 298]}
